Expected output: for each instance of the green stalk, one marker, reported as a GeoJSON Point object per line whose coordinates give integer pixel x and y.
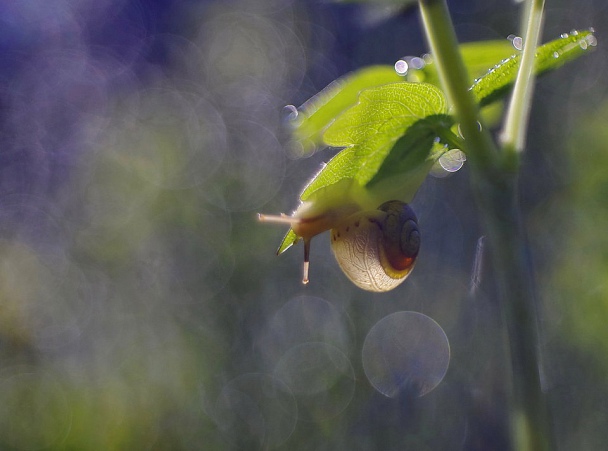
{"type": "Point", "coordinates": [494, 182]}
{"type": "Point", "coordinates": [513, 136]}
{"type": "Point", "coordinates": [498, 201]}
{"type": "Point", "coordinates": [455, 80]}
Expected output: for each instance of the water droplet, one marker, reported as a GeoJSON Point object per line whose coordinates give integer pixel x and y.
{"type": "Point", "coordinates": [518, 43]}
{"type": "Point", "coordinates": [401, 67]}
{"type": "Point", "coordinates": [479, 126]}
{"type": "Point", "coordinates": [291, 113]}
{"type": "Point", "coordinates": [417, 63]}
{"type": "Point", "coordinates": [574, 32]}
{"type": "Point", "coordinates": [564, 35]}
{"type": "Point", "coordinates": [591, 40]}
{"type": "Point", "coordinates": [452, 160]}
{"type": "Point", "coordinates": [555, 54]}
{"type": "Point", "coordinates": [583, 44]}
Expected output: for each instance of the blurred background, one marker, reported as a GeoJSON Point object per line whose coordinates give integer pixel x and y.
{"type": "Point", "coordinates": [141, 303]}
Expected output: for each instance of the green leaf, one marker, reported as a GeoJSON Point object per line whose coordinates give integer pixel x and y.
{"type": "Point", "coordinates": [477, 57]}
{"type": "Point", "coordinates": [288, 241]}
{"type": "Point", "coordinates": [414, 149]}
{"type": "Point", "coordinates": [389, 135]}
{"type": "Point", "coordinates": [410, 160]}
{"type": "Point", "coordinates": [314, 116]}
{"type": "Point", "coordinates": [370, 128]}
{"type": "Point", "coordinates": [499, 79]}
{"type": "Point", "coordinates": [404, 118]}
{"type": "Point", "coordinates": [318, 112]}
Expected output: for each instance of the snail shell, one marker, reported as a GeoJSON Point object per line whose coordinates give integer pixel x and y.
{"type": "Point", "coordinates": [377, 249]}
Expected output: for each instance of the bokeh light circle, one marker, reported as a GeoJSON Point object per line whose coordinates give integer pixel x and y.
{"type": "Point", "coordinates": [321, 378]}
{"type": "Point", "coordinates": [35, 411]}
{"type": "Point", "coordinates": [256, 411]}
{"type": "Point", "coordinates": [405, 352]}
{"type": "Point", "coordinates": [252, 170]}
{"type": "Point", "coordinates": [303, 319]}
{"type": "Point", "coordinates": [176, 139]}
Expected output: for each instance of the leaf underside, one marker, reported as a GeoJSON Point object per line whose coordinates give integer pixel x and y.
{"type": "Point", "coordinates": [318, 112]}
{"type": "Point", "coordinates": [414, 149]}
{"type": "Point", "coordinates": [370, 129]}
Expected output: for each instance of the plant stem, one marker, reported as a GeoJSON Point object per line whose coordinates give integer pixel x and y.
{"type": "Point", "coordinates": [494, 182]}
{"type": "Point", "coordinates": [513, 136]}
{"type": "Point", "coordinates": [455, 80]}
{"type": "Point", "coordinates": [498, 200]}
{"type": "Point", "coordinates": [449, 138]}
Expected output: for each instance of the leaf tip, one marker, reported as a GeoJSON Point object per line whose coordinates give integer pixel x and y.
{"type": "Point", "coordinates": [289, 240]}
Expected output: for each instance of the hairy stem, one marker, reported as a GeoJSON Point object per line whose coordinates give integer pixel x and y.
{"type": "Point", "coordinates": [494, 181]}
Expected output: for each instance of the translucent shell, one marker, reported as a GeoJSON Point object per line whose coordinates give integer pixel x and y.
{"type": "Point", "coordinates": [377, 249]}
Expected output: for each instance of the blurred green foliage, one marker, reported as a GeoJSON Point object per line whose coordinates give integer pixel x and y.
{"type": "Point", "coordinates": [579, 282]}
{"type": "Point", "coordinates": [141, 304]}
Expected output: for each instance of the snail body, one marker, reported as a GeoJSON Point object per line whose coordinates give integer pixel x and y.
{"type": "Point", "coordinates": [376, 249]}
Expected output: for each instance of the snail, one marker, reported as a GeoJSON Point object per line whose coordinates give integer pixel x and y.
{"type": "Point", "coordinates": [376, 249]}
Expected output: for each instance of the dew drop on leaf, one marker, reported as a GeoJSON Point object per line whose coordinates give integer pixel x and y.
{"type": "Point", "coordinates": [417, 63]}
{"type": "Point", "coordinates": [517, 41]}
{"type": "Point", "coordinates": [591, 40]}
{"type": "Point", "coordinates": [291, 113]}
{"type": "Point", "coordinates": [401, 67]}
{"type": "Point", "coordinates": [452, 160]}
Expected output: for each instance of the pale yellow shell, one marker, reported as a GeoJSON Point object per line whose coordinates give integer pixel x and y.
{"type": "Point", "coordinates": [359, 247]}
